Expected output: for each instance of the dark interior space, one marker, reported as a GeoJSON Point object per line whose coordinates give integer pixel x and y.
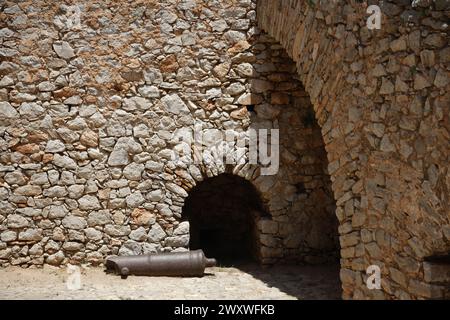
{"type": "Point", "coordinates": [222, 212]}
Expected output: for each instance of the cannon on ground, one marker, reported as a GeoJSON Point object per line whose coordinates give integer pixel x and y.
{"type": "Point", "coordinates": [175, 264]}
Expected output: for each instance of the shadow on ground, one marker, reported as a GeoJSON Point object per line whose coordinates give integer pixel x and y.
{"type": "Point", "coordinates": [304, 282]}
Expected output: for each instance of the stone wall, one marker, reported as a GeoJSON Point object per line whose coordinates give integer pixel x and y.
{"type": "Point", "coordinates": [91, 114]}
{"type": "Point", "coordinates": [381, 98]}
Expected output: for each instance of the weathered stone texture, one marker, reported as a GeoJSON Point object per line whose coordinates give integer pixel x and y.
{"type": "Point", "coordinates": [91, 114]}
{"type": "Point", "coordinates": [379, 98]}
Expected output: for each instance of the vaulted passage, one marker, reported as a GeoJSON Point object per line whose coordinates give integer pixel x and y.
{"type": "Point", "coordinates": [222, 212]}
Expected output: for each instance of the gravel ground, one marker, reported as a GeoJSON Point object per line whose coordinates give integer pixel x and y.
{"type": "Point", "coordinates": [245, 282]}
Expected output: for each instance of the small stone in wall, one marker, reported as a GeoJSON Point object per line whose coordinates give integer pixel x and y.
{"type": "Point", "coordinates": [141, 131]}
{"type": "Point", "coordinates": [176, 189]}
{"type": "Point", "coordinates": [67, 178]}
{"type": "Point", "coordinates": [36, 250]}
{"type": "Point", "coordinates": [398, 45]}
{"type": "Point", "coordinates": [16, 221]}
{"type": "Point", "coordinates": [386, 144]}
{"type": "Point", "coordinates": [46, 86]}
{"type": "Point", "coordinates": [74, 100]}
{"type": "Point", "coordinates": [117, 231]}
{"type": "Point", "coordinates": [54, 146]}
{"type": "Point", "coordinates": [260, 86]}
{"type": "Point", "coordinates": [89, 138]}
{"type": "Point", "coordinates": [75, 191]}
{"type": "Point", "coordinates": [8, 236]}
{"type": "Point", "coordinates": [135, 199]}
{"type": "Point", "coordinates": [73, 246]}
{"type": "Point", "coordinates": [93, 234]}
{"type": "Point", "coordinates": [128, 144]}
{"type": "Point", "coordinates": [39, 178]}
{"type": "Point", "coordinates": [68, 135]}
{"type": "Point", "coordinates": [279, 98]}
{"type": "Point", "coordinates": [174, 104]}
{"type": "Point", "coordinates": [64, 162]}
{"type": "Point", "coordinates": [150, 248]}
{"type": "Point", "coordinates": [136, 103]}
{"type": "Point", "coordinates": [8, 111]}
{"type": "Point", "coordinates": [155, 195]}
{"type": "Point", "coordinates": [441, 79]}
{"type": "Point", "coordinates": [235, 89]}
{"type": "Point", "coordinates": [153, 76]}
{"type": "Point", "coordinates": [89, 202]}
{"type": "Point", "coordinates": [239, 114]}
{"type": "Point", "coordinates": [130, 248]}
{"type": "Point", "coordinates": [31, 235]}
{"type": "Point", "coordinates": [156, 234]}
{"type": "Point", "coordinates": [183, 228]}
{"type": "Point", "coordinates": [386, 86]}
{"type": "Point", "coordinates": [28, 148]}
{"type": "Point", "coordinates": [28, 190]}
{"type": "Point", "coordinates": [74, 222]}
{"type": "Point", "coordinates": [52, 246]}
{"type": "Point", "coordinates": [221, 70]}
{"type": "Point", "coordinates": [15, 177]}
{"type": "Point", "coordinates": [55, 259]}
{"type": "Point", "coordinates": [139, 234]}
{"type": "Point", "coordinates": [56, 191]}
{"type": "Point", "coordinates": [56, 211]}
{"type": "Point", "coordinates": [154, 166]}
{"type": "Point", "coordinates": [64, 50]}
{"type": "Point", "coordinates": [133, 171]}
{"type": "Point", "coordinates": [98, 218]}
{"type": "Point", "coordinates": [219, 25]}
{"type": "Point", "coordinates": [118, 157]}
{"type": "Point", "coordinates": [178, 241]}
{"type": "Point", "coordinates": [164, 210]}
{"type": "Point", "coordinates": [420, 82]}
{"type": "Point", "coordinates": [143, 217]}
{"type": "Point", "coordinates": [6, 81]}
{"type": "Point", "coordinates": [31, 110]}
{"type": "Point", "coordinates": [169, 64]}
{"type": "Point", "coordinates": [149, 91]}
{"type": "Point", "coordinates": [29, 212]}
{"type": "Point", "coordinates": [234, 36]}
{"type": "Point", "coordinates": [132, 75]}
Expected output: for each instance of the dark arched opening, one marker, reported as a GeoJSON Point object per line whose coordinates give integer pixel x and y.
{"type": "Point", "coordinates": [222, 213]}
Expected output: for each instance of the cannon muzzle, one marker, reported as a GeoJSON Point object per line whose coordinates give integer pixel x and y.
{"type": "Point", "coordinates": [175, 264]}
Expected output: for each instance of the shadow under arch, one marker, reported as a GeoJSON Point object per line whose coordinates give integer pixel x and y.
{"type": "Point", "coordinates": [222, 212]}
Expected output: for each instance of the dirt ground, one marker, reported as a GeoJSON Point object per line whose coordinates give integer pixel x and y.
{"type": "Point", "coordinates": [243, 282]}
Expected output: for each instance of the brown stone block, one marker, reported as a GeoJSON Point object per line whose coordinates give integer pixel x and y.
{"type": "Point", "coordinates": [142, 217]}
{"type": "Point", "coordinates": [279, 98]}
{"type": "Point", "coordinates": [27, 148]}
{"type": "Point", "coordinates": [48, 157]}
{"type": "Point", "coordinates": [169, 64]}
{"type": "Point", "coordinates": [37, 137]}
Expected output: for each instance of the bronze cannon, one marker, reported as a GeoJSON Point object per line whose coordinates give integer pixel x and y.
{"type": "Point", "coordinates": [181, 264]}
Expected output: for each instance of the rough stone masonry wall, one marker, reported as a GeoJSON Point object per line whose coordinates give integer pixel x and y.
{"type": "Point", "coordinates": [87, 121]}
{"type": "Point", "coordinates": [382, 100]}
{"type": "Point", "coordinates": [299, 197]}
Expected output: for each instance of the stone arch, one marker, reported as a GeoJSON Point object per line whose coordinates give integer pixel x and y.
{"type": "Point", "coordinates": [301, 225]}
{"type": "Point", "coordinates": [224, 214]}
{"type": "Point", "coordinates": [373, 106]}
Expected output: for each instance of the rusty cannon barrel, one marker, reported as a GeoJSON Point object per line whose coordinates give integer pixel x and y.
{"type": "Point", "coordinates": [176, 264]}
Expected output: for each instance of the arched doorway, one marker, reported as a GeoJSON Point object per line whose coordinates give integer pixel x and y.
{"type": "Point", "coordinates": [222, 212]}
